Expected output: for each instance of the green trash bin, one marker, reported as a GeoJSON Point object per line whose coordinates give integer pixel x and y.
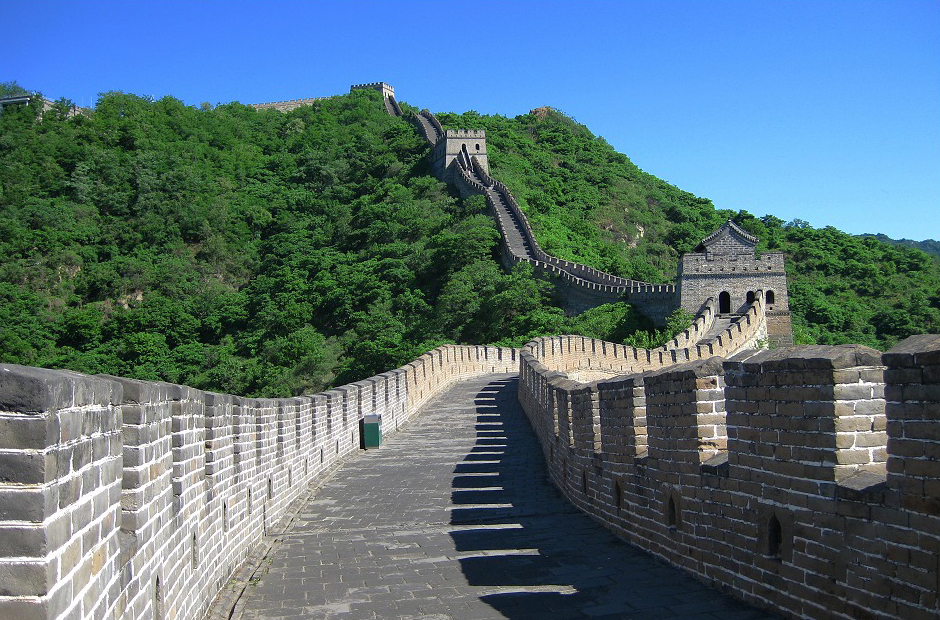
{"type": "Point", "coordinates": [372, 431]}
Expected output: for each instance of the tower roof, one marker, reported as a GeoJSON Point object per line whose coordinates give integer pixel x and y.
{"type": "Point", "coordinates": [728, 229]}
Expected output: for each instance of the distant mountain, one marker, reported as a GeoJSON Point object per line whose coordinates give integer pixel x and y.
{"type": "Point", "coordinates": [931, 246]}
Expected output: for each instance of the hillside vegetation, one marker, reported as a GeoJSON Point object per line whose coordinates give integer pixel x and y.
{"type": "Point", "coordinates": [269, 254]}
{"type": "Point", "coordinates": [591, 204]}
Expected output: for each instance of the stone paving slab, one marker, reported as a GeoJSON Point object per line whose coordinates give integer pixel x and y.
{"type": "Point", "coordinates": [454, 518]}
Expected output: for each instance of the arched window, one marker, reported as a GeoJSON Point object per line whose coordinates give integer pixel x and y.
{"type": "Point", "coordinates": [672, 517]}
{"type": "Point", "coordinates": [477, 147]}
{"type": "Point", "coordinates": [724, 302]}
{"type": "Point", "coordinates": [158, 611]}
{"type": "Point", "coordinates": [774, 537]}
{"type": "Point", "coordinates": [750, 297]}
{"type": "Point", "coordinates": [770, 297]}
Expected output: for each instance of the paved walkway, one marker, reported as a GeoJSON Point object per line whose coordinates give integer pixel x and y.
{"type": "Point", "coordinates": [454, 518]}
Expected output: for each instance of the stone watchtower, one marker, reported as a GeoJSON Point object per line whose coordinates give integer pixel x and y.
{"type": "Point", "coordinates": [725, 266]}
{"type": "Point", "coordinates": [386, 90]}
{"type": "Point", "coordinates": [458, 143]}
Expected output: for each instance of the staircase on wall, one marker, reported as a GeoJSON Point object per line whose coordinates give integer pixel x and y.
{"type": "Point", "coordinates": [579, 286]}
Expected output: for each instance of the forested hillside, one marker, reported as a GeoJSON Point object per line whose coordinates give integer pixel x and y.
{"type": "Point", "coordinates": [267, 254]}
{"type": "Point", "coordinates": [930, 246]}
{"type": "Point", "coordinates": [591, 204]}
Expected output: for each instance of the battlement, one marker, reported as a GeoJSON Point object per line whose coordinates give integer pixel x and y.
{"type": "Point", "coordinates": [457, 148]}
{"type": "Point", "coordinates": [285, 106]}
{"type": "Point", "coordinates": [46, 104]}
{"type": "Point", "coordinates": [382, 87]}
{"type": "Point", "coordinates": [695, 264]}
{"type": "Point", "coordinates": [726, 270]}
{"type": "Point", "coordinates": [291, 104]}
{"type": "Point", "coordinates": [116, 494]}
{"type": "Point", "coordinates": [799, 477]}
{"type": "Point", "coordinates": [465, 133]}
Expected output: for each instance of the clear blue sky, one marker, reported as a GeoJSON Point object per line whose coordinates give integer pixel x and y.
{"type": "Point", "coordinates": [825, 110]}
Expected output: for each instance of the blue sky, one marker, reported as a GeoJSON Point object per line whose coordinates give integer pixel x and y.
{"type": "Point", "coordinates": [826, 111]}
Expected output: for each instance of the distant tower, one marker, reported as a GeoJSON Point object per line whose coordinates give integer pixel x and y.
{"type": "Point", "coordinates": [458, 143]}
{"type": "Point", "coordinates": [724, 266]}
{"type": "Point", "coordinates": [386, 90]}
{"type": "Point", "coordinates": [388, 95]}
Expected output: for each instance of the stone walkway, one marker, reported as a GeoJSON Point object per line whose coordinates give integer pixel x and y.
{"type": "Point", "coordinates": [454, 518]}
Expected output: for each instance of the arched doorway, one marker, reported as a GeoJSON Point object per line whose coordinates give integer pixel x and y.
{"type": "Point", "coordinates": [750, 297]}
{"type": "Point", "coordinates": [724, 302]}
{"type": "Point", "coordinates": [770, 298]}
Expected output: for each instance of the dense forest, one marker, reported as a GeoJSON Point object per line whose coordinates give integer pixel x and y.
{"type": "Point", "coordinates": [591, 204]}
{"type": "Point", "coordinates": [268, 254]}
{"type": "Point", "coordinates": [930, 246]}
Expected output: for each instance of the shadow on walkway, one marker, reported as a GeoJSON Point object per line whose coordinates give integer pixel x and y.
{"type": "Point", "coordinates": [536, 556]}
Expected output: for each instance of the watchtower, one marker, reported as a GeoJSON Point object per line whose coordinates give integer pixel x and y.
{"type": "Point", "coordinates": [458, 144]}
{"type": "Point", "coordinates": [726, 267]}
{"type": "Point", "coordinates": [386, 90]}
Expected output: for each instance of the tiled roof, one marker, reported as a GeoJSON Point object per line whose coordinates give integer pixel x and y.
{"type": "Point", "coordinates": [736, 231]}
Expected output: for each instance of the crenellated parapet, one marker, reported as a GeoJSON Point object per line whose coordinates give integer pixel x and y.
{"type": "Point", "coordinates": [386, 89]}
{"type": "Point", "coordinates": [726, 267]}
{"type": "Point", "coordinates": [388, 96]}
{"type": "Point", "coordinates": [125, 499]}
{"type": "Point", "coordinates": [287, 106]}
{"type": "Point", "coordinates": [454, 150]}
{"type": "Point", "coordinates": [804, 479]}
{"type": "Point", "coordinates": [727, 260]}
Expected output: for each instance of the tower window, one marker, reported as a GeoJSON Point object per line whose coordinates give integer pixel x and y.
{"type": "Point", "coordinates": [724, 302]}
{"type": "Point", "coordinates": [770, 297]}
{"type": "Point", "coordinates": [774, 537]}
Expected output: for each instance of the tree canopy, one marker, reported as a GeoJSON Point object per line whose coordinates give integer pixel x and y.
{"type": "Point", "coordinates": [270, 254]}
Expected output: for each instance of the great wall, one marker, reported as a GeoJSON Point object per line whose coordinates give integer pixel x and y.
{"type": "Point", "coordinates": [802, 479]}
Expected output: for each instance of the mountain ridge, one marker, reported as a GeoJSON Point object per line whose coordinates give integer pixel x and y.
{"type": "Point", "coordinates": [929, 246]}
{"type": "Point", "coordinates": [274, 253]}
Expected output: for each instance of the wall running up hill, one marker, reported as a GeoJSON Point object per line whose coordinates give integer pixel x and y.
{"type": "Point", "coordinates": [457, 158]}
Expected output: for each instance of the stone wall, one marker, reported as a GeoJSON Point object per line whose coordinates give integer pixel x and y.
{"type": "Point", "coordinates": [700, 278]}
{"type": "Point", "coordinates": [386, 89]}
{"type": "Point", "coordinates": [564, 355]}
{"type": "Point", "coordinates": [459, 157]}
{"type": "Point", "coordinates": [458, 144]}
{"type": "Point", "coordinates": [803, 479]}
{"type": "Point", "coordinates": [724, 269]}
{"type": "Point", "coordinates": [286, 106]}
{"type": "Point", "coordinates": [132, 499]}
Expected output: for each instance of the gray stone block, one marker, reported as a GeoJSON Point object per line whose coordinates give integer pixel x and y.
{"type": "Point", "coordinates": [32, 504]}
{"type": "Point", "coordinates": [26, 578]}
{"type": "Point", "coordinates": [28, 467]}
{"type": "Point", "coordinates": [26, 541]}
{"type": "Point", "coordinates": [28, 390]}
{"type": "Point", "coordinates": [28, 432]}
{"type": "Point", "coordinates": [921, 349]}
{"type": "Point", "coordinates": [24, 609]}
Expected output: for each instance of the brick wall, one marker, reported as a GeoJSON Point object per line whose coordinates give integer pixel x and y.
{"type": "Point", "coordinates": [804, 479]}
{"type": "Point", "coordinates": [286, 106]}
{"type": "Point", "coordinates": [133, 499]}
